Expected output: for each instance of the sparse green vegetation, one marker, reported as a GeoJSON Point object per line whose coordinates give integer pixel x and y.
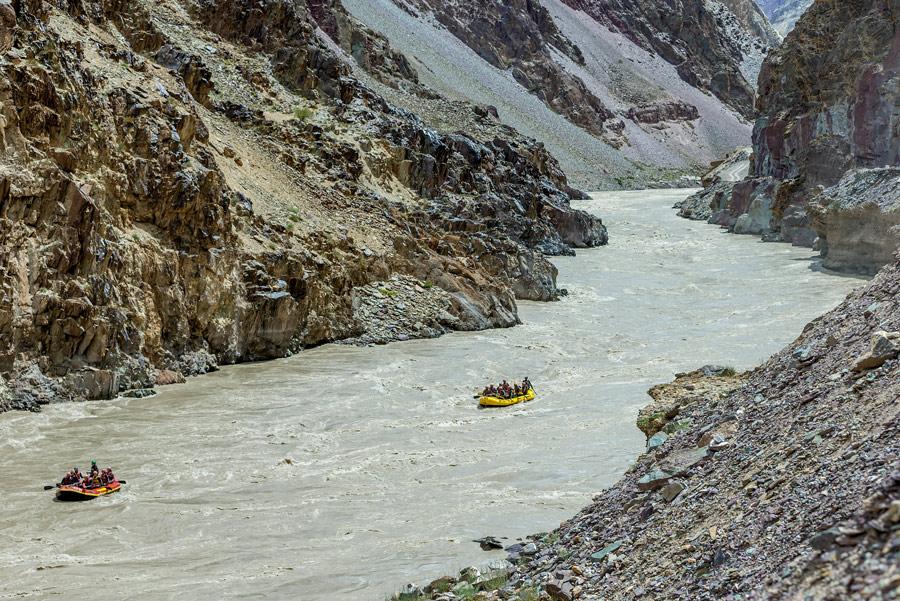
{"type": "Point", "coordinates": [388, 292]}
{"type": "Point", "coordinates": [428, 284]}
{"type": "Point", "coordinates": [643, 423]}
{"type": "Point", "coordinates": [682, 424]}
{"type": "Point", "coordinates": [302, 113]}
{"type": "Point", "coordinates": [530, 593]}
{"type": "Point", "coordinates": [729, 372]}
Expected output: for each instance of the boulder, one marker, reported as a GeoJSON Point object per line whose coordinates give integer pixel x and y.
{"type": "Point", "coordinates": [655, 478]}
{"type": "Point", "coordinates": [167, 377]}
{"type": "Point", "coordinates": [607, 550]}
{"type": "Point", "coordinates": [657, 440]}
{"type": "Point", "coordinates": [671, 490]}
{"type": "Point", "coordinates": [885, 346]}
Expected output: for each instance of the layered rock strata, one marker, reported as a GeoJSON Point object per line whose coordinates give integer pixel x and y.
{"type": "Point", "coordinates": [185, 184]}
{"type": "Point", "coordinates": [858, 220]}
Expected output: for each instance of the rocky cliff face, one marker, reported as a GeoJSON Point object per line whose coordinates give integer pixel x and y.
{"type": "Point", "coordinates": [187, 183]}
{"type": "Point", "coordinates": [829, 108]}
{"type": "Point", "coordinates": [858, 220]}
{"type": "Point", "coordinates": [754, 20]}
{"type": "Point", "coordinates": [519, 37]}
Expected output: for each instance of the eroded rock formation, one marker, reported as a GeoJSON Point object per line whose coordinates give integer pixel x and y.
{"type": "Point", "coordinates": [686, 34]}
{"type": "Point", "coordinates": [519, 36]}
{"type": "Point", "coordinates": [858, 220]}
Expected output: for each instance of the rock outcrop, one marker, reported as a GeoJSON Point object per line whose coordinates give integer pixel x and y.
{"type": "Point", "coordinates": [858, 220]}
{"type": "Point", "coordinates": [829, 99]}
{"type": "Point", "coordinates": [785, 485]}
{"type": "Point", "coordinates": [185, 184]}
{"type": "Point", "coordinates": [718, 186]}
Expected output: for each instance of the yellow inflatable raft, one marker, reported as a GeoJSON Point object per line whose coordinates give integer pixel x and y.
{"type": "Point", "coordinates": [492, 401]}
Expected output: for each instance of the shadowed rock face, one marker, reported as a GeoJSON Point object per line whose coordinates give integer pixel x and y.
{"type": "Point", "coordinates": [686, 34]}
{"type": "Point", "coordinates": [829, 106]}
{"type": "Point", "coordinates": [193, 191]}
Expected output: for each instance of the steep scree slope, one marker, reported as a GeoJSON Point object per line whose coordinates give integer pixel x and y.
{"type": "Point", "coordinates": [686, 34]}
{"type": "Point", "coordinates": [184, 183]}
{"type": "Point", "coordinates": [613, 110]}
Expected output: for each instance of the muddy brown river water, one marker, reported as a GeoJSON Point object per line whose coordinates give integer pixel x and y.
{"type": "Point", "coordinates": [343, 472]}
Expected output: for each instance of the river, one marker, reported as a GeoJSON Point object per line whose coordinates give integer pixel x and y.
{"type": "Point", "coordinates": [342, 472]}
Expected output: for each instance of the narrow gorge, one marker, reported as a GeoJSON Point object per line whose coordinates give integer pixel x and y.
{"type": "Point", "coordinates": [279, 245]}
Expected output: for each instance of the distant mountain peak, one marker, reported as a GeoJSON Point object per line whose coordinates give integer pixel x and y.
{"type": "Point", "coordinates": [784, 14]}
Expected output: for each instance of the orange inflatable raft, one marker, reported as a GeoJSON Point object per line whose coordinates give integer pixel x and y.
{"type": "Point", "coordinates": [76, 492]}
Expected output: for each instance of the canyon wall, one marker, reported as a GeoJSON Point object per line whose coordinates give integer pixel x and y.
{"type": "Point", "coordinates": [184, 184]}
{"type": "Point", "coordinates": [829, 101]}
{"type": "Point", "coordinates": [784, 14]}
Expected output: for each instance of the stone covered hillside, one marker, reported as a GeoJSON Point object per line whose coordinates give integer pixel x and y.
{"type": "Point", "coordinates": [191, 182]}
{"type": "Point", "coordinates": [826, 165]}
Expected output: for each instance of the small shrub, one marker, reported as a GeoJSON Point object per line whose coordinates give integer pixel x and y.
{"type": "Point", "coordinates": [388, 292]}
{"type": "Point", "coordinates": [302, 113]}
{"type": "Point", "coordinates": [729, 372]}
{"type": "Point", "coordinates": [428, 284]}
{"type": "Point", "coordinates": [530, 593]}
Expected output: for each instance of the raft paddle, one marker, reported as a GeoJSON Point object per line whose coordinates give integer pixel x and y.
{"type": "Point", "coordinates": [52, 486]}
